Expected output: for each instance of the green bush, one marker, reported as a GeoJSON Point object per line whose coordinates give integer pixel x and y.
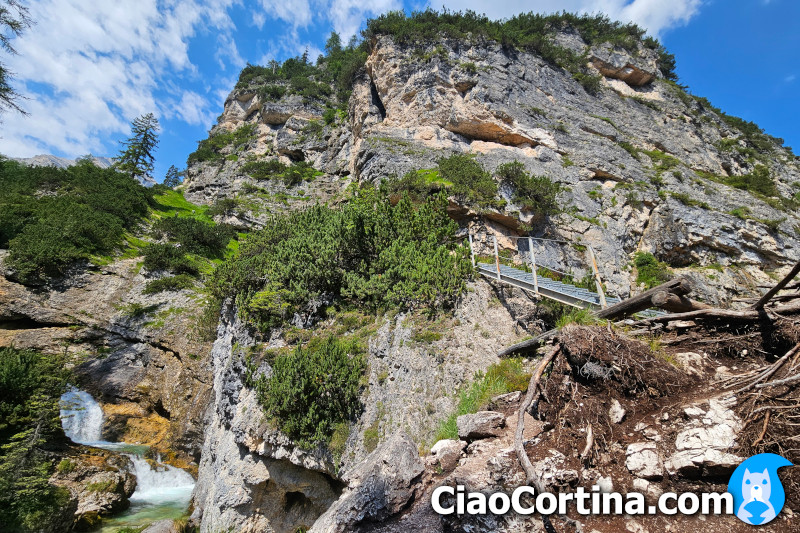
{"type": "Point", "coordinates": [30, 427]}
{"type": "Point", "coordinates": [368, 252]}
{"type": "Point", "coordinates": [52, 217]}
{"type": "Point", "coordinates": [533, 193]}
{"type": "Point", "coordinates": [291, 175]}
{"type": "Point", "coordinates": [171, 283]}
{"type": "Point", "coordinates": [314, 389]}
{"type": "Point", "coordinates": [195, 236]}
{"type": "Point", "coordinates": [650, 270]}
{"type": "Point", "coordinates": [210, 149]}
{"type": "Point", "coordinates": [223, 207]}
{"type": "Point", "coordinates": [759, 181]}
{"type": "Point", "coordinates": [263, 170]}
{"type": "Point", "coordinates": [469, 179]}
{"type": "Point", "coordinates": [168, 257]}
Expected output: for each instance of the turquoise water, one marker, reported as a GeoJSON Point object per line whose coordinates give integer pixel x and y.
{"type": "Point", "coordinates": [143, 513]}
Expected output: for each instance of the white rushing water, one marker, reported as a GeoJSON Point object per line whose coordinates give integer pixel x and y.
{"type": "Point", "coordinates": [157, 485]}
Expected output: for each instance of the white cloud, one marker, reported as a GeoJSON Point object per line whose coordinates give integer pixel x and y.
{"type": "Point", "coordinates": [654, 15]}
{"type": "Point", "coordinates": [347, 15]}
{"type": "Point", "coordinates": [790, 78]}
{"type": "Point", "coordinates": [90, 67]}
{"type": "Point", "coordinates": [297, 12]}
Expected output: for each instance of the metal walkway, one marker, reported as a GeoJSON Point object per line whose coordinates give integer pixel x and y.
{"type": "Point", "coordinates": [564, 293]}
{"type": "Point", "coordinates": [555, 290]}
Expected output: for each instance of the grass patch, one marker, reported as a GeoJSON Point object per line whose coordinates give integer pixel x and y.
{"type": "Point", "coordinates": [500, 378]}
{"type": "Point", "coordinates": [650, 270]}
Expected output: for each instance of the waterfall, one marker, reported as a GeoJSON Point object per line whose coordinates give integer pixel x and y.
{"type": "Point", "coordinates": [158, 486]}
{"type": "Point", "coordinates": [81, 417]}
{"type": "Point", "coordinates": [159, 482]}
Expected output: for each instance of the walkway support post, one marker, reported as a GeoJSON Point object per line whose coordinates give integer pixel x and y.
{"type": "Point", "coordinates": [533, 266]}
{"type": "Point", "coordinates": [471, 250]}
{"type": "Point", "coordinates": [598, 281]}
{"type": "Point", "coordinates": [496, 256]}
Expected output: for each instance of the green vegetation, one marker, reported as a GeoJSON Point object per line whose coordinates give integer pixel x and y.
{"type": "Point", "coordinates": [531, 32]}
{"type": "Point", "coordinates": [170, 283]}
{"type": "Point", "coordinates": [661, 161]}
{"type": "Point", "coordinates": [32, 384]}
{"type": "Point", "coordinates": [470, 181]}
{"type": "Point", "coordinates": [369, 252]}
{"type": "Point", "coordinates": [532, 193]}
{"type": "Point", "coordinates": [650, 270]}
{"type": "Point", "coordinates": [136, 159]}
{"type": "Point", "coordinates": [685, 199]}
{"type": "Point", "coordinates": [195, 236]}
{"type": "Point", "coordinates": [314, 389]}
{"type": "Point", "coordinates": [51, 218]}
{"type": "Point", "coordinates": [581, 317]}
{"type": "Point", "coordinates": [210, 150]}
{"type": "Point", "coordinates": [328, 82]}
{"type": "Point", "coordinates": [460, 174]}
{"type": "Point", "coordinates": [500, 378]}
{"type": "Point", "coordinates": [744, 213]}
{"type": "Point", "coordinates": [291, 175]}
{"type": "Point", "coordinates": [14, 18]}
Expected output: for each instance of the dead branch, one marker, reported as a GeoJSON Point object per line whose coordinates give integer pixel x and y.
{"type": "Point", "coordinates": [763, 429]}
{"type": "Point", "coordinates": [779, 382]}
{"type": "Point", "coordinates": [534, 389]}
{"type": "Point", "coordinates": [589, 443]}
{"type": "Point", "coordinates": [529, 344]}
{"type": "Point", "coordinates": [778, 286]}
{"type": "Point", "coordinates": [771, 369]}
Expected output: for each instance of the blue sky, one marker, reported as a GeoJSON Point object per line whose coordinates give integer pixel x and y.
{"type": "Point", "coordinates": [88, 68]}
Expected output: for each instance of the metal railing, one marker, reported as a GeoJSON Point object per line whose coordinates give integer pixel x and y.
{"type": "Point", "coordinates": [592, 260]}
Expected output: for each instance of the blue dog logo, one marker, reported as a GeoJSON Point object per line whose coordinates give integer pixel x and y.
{"type": "Point", "coordinates": [757, 492]}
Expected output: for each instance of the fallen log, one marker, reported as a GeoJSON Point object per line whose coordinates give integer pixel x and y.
{"type": "Point", "coordinates": [677, 287]}
{"type": "Point", "coordinates": [676, 304]}
{"type": "Point", "coordinates": [528, 344]}
{"type": "Point", "coordinates": [778, 286]}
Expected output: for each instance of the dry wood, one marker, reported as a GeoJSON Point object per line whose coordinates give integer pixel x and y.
{"type": "Point", "coordinates": [534, 390]}
{"type": "Point", "coordinates": [774, 367]}
{"type": "Point", "coordinates": [529, 344]}
{"type": "Point", "coordinates": [533, 477]}
{"type": "Point", "coordinates": [763, 429]}
{"type": "Point", "coordinates": [589, 443]}
{"type": "Point", "coordinates": [678, 286]}
{"type": "Point", "coordinates": [675, 303]}
{"type": "Point", "coordinates": [778, 286]}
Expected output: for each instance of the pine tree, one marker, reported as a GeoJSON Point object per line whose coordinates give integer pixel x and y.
{"type": "Point", "coordinates": [173, 177]}
{"type": "Point", "coordinates": [13, 20]}
{"type": "Point", "coordinates": [137, 157]}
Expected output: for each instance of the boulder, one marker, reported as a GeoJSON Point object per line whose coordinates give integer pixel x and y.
{"type": "Point", "coordinates": [480, 425]}
{"type": "Point", "coordinates": [378, 488]}
{"type": "Point", "coordinates": [642, 460]}
{"type": "Point", "coordinates": [448, 453]}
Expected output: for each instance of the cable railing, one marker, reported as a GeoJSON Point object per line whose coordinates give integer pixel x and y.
{"type": "Point", "coordinates": [536, 268]}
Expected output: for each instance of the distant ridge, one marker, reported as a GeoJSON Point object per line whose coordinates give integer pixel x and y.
{"type": "Point", "coordinates": [48, 160]}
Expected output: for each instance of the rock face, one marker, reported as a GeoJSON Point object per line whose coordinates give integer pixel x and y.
{"type": "Point", "coordinates": [378, 488]}
{"type": "Point", "coordinates": [644, 162]}
{"type": "Point", "coordinates": [252, 478]}
{"type": "Point", "coordinates": [642, 460]}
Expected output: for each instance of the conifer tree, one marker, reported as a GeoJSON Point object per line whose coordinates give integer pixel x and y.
{"type": "Point", "coordinates": [13, 20]}
{"type": "Point", "coordinates": [137, 158]}
{"type": "Point", "coordinates": [173, 177]}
